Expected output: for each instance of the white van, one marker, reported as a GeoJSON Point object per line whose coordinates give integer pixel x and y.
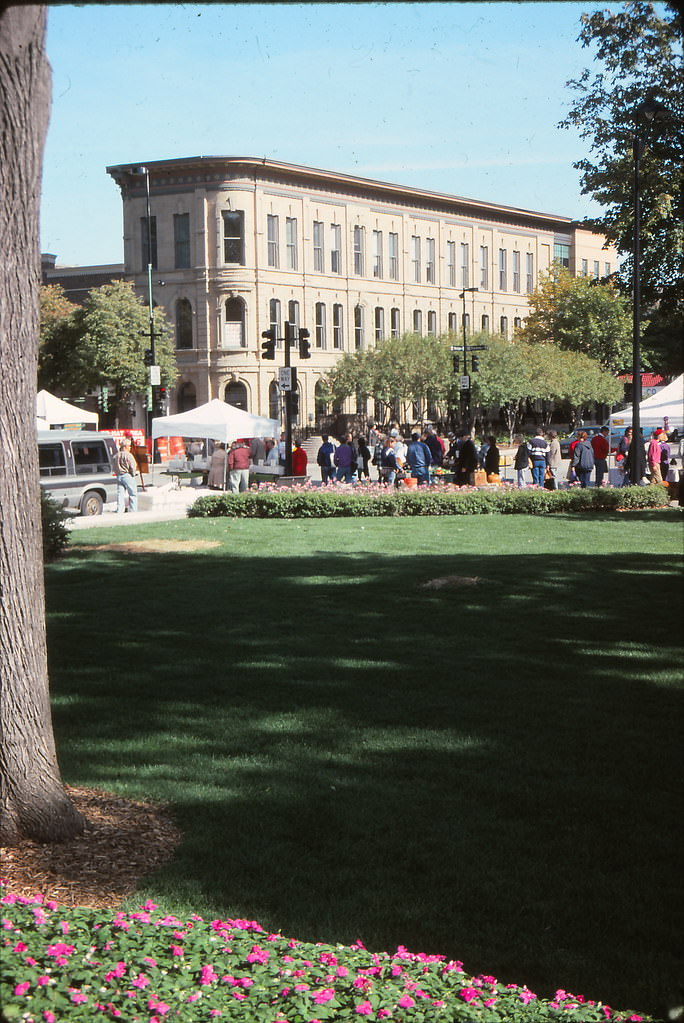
{"type": "Point", "coordinates": [77, 468]}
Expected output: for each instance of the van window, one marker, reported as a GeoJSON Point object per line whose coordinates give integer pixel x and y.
{"type": "Point", "coordinates": [90, 456]}
{"type": "Point", "coordinates": [51, 460]}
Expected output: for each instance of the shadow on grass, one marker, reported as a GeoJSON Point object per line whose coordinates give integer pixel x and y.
{"type": "Point", "coordinates": [488, 770]}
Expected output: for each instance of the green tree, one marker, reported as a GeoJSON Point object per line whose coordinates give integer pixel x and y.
{"type": "Point", "coordinates": [639, 55]}
{"type": "Point", "coordinates": [580, 315]}
{"type": "Point", "coordinates": [104, 342]}
{"type": "Point", "coordinates": [503, 379]}
{"type": "Point", "coordinates": [61, 361]}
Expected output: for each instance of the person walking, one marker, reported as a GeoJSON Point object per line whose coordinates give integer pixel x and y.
{"type": "Point", "coordinates": [126, 478]}
{"type": "Point", "coordinates": [554, 459]}
{"type": "Point", "coordinates": [363, 459]}
{"type": "Point", "coordinates": [492, 460]}
{"type": "Point", "coordinates": [343, 459]}
{"type": "Point", "coordinates": [621, 456]}
{"type": "Point", "coordinates": [300, 460]}
{"type": "Point", "coordinates": [418, 458]}
{"type": "Point", "coordinates": [216, 479]}
{"type": "Point", "coordinates": [388, 462]}
{"type": "Point", "coordinates": [522, 460]}
{"type": "Point", "coordinates": [653, 457]}
{"type": "Point", "coordinates": [238, 467]}
{"type": "Point", "coordinates": [538, 449]}
{"type": "Point", "coordinates": [583, 459]}
{"type": "Point", "coordinates": [601, 448]}
{"type": "Point", "coordinates": [324, 458]}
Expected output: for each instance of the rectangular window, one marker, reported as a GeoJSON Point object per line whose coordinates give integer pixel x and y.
{"type": "Point", "coordinates": [585, 268]}
{"type": "Point", "coordinates": [318, 247]}
{"type": "Point", "coordinates": [359, 255]}
{"type": "Point", "coordinates": [517, 323]}
{"type": "Point", "coordinates": [417, 321]}
{"type": "Point", "coordinates": [596, 269]}
{"type": "Point", "coordinates": [149, 241]}
{"type": "Point", "coordinates": [484, 267]}
{"type": "Point", "coordinates": [516, 270]}
{"type": "Point", "coordinates": [415, 259]}
{"type": "Point", "coordinates": [465, 265]}
{"type": "Point", "coordinates": [395, 322]}
{"type": "Point", "coordinates": [377, 254]}
{"type": "Point", "coordinates": [485, 323]}
{"type": "Point", "coordinates": [529, 272]}
{"type": "Point", "coordinates": [451, 264]}
{"type": "Point", "coordinates": [503, 284]}
{"type": "Point", "coordinates": [432, 323]}
{"type": "Point", "coordinates": [393, 256]}
{"type": "Point", "coordinates": [338, 327]}
{"type": "Point", "coordinates": [465, 323]}
{"type": "Point", "coordinates": [274, 319]}
{"type": "Point", "coordinates": [503, 326]}
{"type": "Point", "coordinates": [358, 327]}
{"type": "Point", "coordinates": [320, 324]}
{"type": "Point", "coordinates": [233, 236]}
{"type": "Point", "coordinates": [335, 249]}
{"type": "Point", "coordinates": [561, 254]}
{"type": "Point", "coordinates": [606, 269]}
{"type": "Point", "coordinates": [293, 314]}
{"type": "Point", "coordinates": [181, 240]}
{"type": "Point", "coordinates": [273, 240]}
{"type": "Point", "coordinates": [379, 324]}
{"type": "Point", "coordinates": [291, 242]}
{"type": "Point", "coordinates": [430, 272]}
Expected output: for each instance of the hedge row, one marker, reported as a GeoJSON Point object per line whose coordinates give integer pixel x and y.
{"type": "Point", "coordinates": [332, 502]}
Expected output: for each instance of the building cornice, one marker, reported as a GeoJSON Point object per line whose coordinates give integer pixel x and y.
{"type": "Point", "coordinates": [213, 171]}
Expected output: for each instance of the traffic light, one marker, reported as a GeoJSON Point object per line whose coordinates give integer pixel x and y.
{"type": "Point", "coordinates": [475, 362]}
{"type": "Point", "coordinates": [457, 364]}
{"type": "Point", "coordinates": [294, 404]}
{"type": "Point", "coordinates": [304, 344]}
{"type": "Point", "coordinates": [148, 357]}
{"type": "Point", "coordinates": [268, 346]}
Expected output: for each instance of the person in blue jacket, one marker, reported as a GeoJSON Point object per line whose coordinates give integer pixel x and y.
{"type": "Point", "coordinates": [419, 457]}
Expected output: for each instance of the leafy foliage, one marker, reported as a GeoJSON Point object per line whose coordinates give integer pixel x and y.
{"type": "Point", "coordinates": [334, 502]}
{"type": "Point", "coordinates": [104, 341]}
{"type": "Point", "coordinates": [638, 51]}
{"type": "Point", "coordinates": [580, 315]}
{"type": "Point", "coordinates": [88, 964]}
{"type": "Point", "coordinates": [56, 536]}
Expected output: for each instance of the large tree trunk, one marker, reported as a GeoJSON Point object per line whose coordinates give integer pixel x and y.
{"type": "Point", "coordinates": [33, 803]}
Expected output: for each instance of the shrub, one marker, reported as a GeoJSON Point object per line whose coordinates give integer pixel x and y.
{"type": "Point", "coordinates": [80, 964]}
{"type": "Point", "coordinates": [55, 533]}
{"type": "Point", "coordinates": [375, 500]}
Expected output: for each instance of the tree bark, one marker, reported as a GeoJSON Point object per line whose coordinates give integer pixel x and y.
{"type": "Point", "coordinates": [33, 802]}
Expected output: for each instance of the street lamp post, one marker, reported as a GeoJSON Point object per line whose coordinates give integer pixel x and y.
{"type": "Point", "coordinates": [647, 113]}
{"type": "Point", "coordinates": [466, 407]}
{"type": "Point", "coordinates": [151, 355]}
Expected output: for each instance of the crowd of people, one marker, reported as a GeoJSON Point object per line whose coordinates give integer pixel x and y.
{"type": "Point", "coordinates": [426, 455]}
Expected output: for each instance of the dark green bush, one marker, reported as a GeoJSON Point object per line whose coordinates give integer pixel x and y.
{"type": "Point", "coordinates": [318, 503]}
{"type": "Point", "coordinates": [55, 532]}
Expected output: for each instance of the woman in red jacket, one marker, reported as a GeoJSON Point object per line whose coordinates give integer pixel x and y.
{"type": "Point", "coordinates": [299, 460]}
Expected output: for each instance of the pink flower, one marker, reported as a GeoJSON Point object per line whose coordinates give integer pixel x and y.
{"type": "Point", "coordinates": [77, 997]}
{"type": "Point", "coordinates": [150, 906]}
{"type": "Point", "coordinates": [240, 995]}
{"type": "Point", "coordinates": [20, 947]}
{"type": "Point", "coordinates": [43, 981]}
{"type": "Point", "coordinates": [21, 989]}
{"type": "Point", "coordinates": [159, 1007]}
{"type": "Point", "coordinates": [364, 1008]}
{"type": "Point", "coordinates": [469, 994]}
{"type": "Point", "coordinates": [258, 955]}
{"type": "Point", "coordinates": [141, 981]}
{"type": "Point", "coordinates": [207, 975]}
{"type": "Point", "coordinates": [64, 926]}
{"type": "Point", "coordinates": [489, 1002]}
{"type": "Point", "coordinates": [527, 996]}
{"type": "Point", "coordinates": [177, 950]}
{"type": "Point", "coordinates": [342, 971]}
{"type": "Point", "coordinates": [60, 949]}
{"type": "Point", "coordinates": [321, 997]}
{"type": "Point", "coordinates": [405, 1002]}
{"type": "Point", "coordinates": [49, 1017]}
{"type": "Point", "coordinates": [193, 998]}
{"type": "Point", "coordinates": [149, 960]}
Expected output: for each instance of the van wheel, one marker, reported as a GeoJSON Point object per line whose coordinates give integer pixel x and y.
{"type": "Point", "coordinates": [91, 503]}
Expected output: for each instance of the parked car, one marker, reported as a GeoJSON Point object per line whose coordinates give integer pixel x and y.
{"type": "Point", "coordinates": [77, 468]}
{"type": "Point", "coordinates": [567, 441]}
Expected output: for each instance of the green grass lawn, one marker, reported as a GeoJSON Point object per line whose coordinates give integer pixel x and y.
{"type": "Point", "coordinates": [491, 770]}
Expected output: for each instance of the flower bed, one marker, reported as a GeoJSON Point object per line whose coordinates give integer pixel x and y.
{"type": "Point", "coordinates": [374, 499]}
{"type": "Point", "coordinates": [149, 967]}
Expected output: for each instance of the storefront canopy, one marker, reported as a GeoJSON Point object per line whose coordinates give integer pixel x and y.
{"type": "Point", "coordinates": [665, 407]}
{"type": "Point", "coordinates": [57, 413]}
{"type": "Point", "coordinates": [217, 420]}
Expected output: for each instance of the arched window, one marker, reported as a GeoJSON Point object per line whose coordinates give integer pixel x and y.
{"type": "Point", "coordinates": [504, 326]}
{"type": "Point", "coordinates": [485, 323]}
{"type": "Point", "coordinates": [236, 394]}
{"type": "Point", "coordinates": [432, 323]}
{"type": "Point", "coordinates": [417, 321]}
{"type": "Point", "coordinates": [187, 397]}
{"type": "Point", "coordinates": [234, 333]}
{"type": "Point", "coordinates": [321, 405]}
{"type": "Point", "coordinates": [273, 401]}
{"type": "Point", "coordinates": [183, 323]}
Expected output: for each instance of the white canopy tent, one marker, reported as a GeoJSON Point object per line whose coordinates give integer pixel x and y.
{"type": "Point", "coordinates": [217, 420]}
{"type": "Point", "coordinates": [55, 412]}
{"type": "Point", "coordinates": [666, 404]}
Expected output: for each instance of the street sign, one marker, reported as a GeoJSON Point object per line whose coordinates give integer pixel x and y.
{"type": "Point", "coordinates": [285, 378]}
{"type": "Point", "coordinates": [477, 348]}
{"type": "Point", "coordinates": [456, 348]}
{"type": "Point", "coordinates": [464, 383]}
{"type": "Point", "coordinates": [155, 375]}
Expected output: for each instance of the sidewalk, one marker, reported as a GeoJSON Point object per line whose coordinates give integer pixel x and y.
{"type": "Point", "coordinates": [170, 504]}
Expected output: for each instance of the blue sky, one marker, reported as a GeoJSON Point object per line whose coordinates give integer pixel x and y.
{"type": "Point", "coordinates": [462, 98]}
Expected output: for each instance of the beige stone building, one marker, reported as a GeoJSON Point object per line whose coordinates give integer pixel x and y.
{"type": "Point", "coordinates": [241, 245]}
